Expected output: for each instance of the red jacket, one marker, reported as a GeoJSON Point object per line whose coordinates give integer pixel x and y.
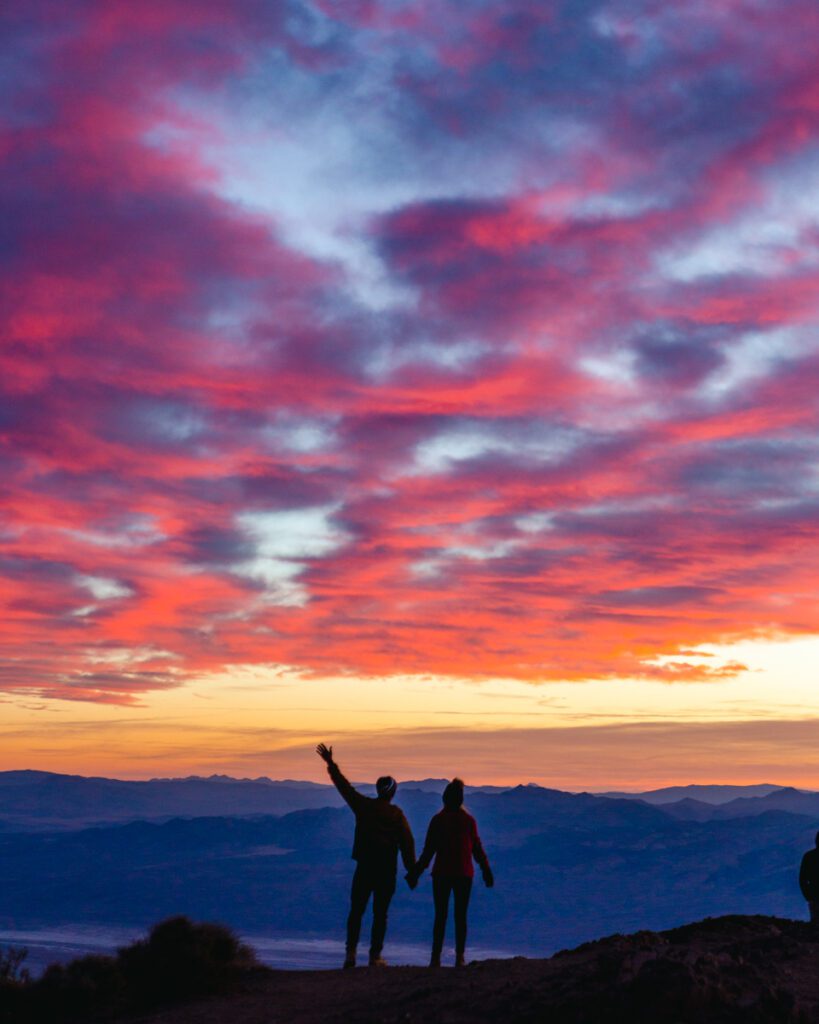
{"type": "Point", "coordinates": [452, 838]}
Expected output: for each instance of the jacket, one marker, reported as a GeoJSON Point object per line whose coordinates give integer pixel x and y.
{"type": "Point", "coordinates": [381, 829]}
{"type": "Point", "coordinates": [809, 875]}
{"type": "Point", "coordinates": [452, 838]}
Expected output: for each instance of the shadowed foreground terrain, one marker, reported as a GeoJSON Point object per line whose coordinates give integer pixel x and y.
{"type": "Point", "coordinates": [729, 969]}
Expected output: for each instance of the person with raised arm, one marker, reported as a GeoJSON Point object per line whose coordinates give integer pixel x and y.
{"type": "Point", "coordinates": [453, 840]}
{"type": "Point", "coordinates": [381, 831]}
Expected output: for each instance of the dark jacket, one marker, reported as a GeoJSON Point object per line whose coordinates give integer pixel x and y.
{"type": "Point", "coordinates": [809, 875]}
{"type": "Point", "coordinates": [381, 829]}
{"type": "Point", "coordinates": [452, 838]}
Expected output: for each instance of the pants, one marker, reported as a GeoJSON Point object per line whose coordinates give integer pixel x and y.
{"type": "Point", "coordinates": [381, 884]}
{"type": "Point", "coordinates": [814, 911]}
{"type": "Point", "coordinates": [461, 888]}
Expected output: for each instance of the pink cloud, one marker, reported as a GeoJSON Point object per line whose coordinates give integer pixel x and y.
{"type": "Point", "coordinates": [550, 459]}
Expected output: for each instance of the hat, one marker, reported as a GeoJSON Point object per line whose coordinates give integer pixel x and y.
{"type": "Point", "coordinates": [386, 786]}
{"type": "Point", "coordinates": [453, 795]}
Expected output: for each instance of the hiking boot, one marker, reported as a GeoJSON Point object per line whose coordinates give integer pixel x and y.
{"type": "Point", "coordinates": [349, 961]}
{"type": "Point", "coordinates": [378, 961]}
{"type": "Point", "coordinates": [460, 960]}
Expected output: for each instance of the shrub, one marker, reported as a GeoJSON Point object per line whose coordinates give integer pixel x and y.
{"type": "Point", "coordinates": [14, 978]}
{"type": "Point", "coordinates": [180, 959]}
{"type": "Point", "coordinates": [82, 989]}
{"type": "Point", "coordinates": [12, 971]}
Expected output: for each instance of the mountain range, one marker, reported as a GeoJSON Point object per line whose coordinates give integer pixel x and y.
{"type": "Point", "coordinates": [47, 801]}
{"type": "Point", "coordinates": [33, 800]}
{"type": "Point", "coordinates": [569, 867]}
{"type": "Point", "coordinates": [702, 793]}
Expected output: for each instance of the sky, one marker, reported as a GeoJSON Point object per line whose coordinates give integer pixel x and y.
{"type": "Point", "coordinates": [435, 379]}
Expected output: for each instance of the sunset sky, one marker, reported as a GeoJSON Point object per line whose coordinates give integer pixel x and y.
{"type": "Point", "coordinates": [438, 379]}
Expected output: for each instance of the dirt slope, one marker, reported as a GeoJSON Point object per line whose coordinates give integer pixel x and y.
{"type": "Point", "coordinates": [731, 969]}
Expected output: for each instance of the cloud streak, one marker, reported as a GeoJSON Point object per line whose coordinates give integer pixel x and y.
{"type": "Point", "coordinates": [633, 755]}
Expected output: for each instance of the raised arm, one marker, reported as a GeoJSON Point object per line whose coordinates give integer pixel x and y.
{"type": "Point", "coordinates": [348, 791]}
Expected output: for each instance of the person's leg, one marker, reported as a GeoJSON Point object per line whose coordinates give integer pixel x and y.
{"type": "Point", "coordinates": [462, 889]}
{"type": "Point", "coordinates": [441, 888]}
{"type": "Point", "coordinates": [382, 894]}
{"type": "Point", "coordinates": [359, 897]}
{"type": "Point", "coordinates": [814, 911]}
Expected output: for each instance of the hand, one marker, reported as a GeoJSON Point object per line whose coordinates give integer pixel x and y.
{"type": "Point", "coordinates": [488, 878]}
{"type": "Point", "coordinates": [325, 753]}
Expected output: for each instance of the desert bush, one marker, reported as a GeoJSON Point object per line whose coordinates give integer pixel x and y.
{"type": "Point", "coordinates": [12, 971]}
{"type": "Point", "coordinates": [14, 979]}
{"type": "Point", "coordinates": [180, 959]}
{"type": "Point", "coordinates": [82, 989]}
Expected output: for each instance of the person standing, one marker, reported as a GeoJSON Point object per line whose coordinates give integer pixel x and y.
{"type": "Point", "coordinates": [381, 830]}
{"type": "Point", "coordinates": [452, 838]}
{"type": "Point", "coordinates": [809, 880]}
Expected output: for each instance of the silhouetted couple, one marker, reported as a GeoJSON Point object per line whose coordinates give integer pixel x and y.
{"type": "Point", "coordinates": [381, 831]}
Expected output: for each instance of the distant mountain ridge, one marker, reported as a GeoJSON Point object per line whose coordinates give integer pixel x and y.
{"type": "Point", "coordinates": [707, 794]}
{"type": "Point", "coordinates": [31, 800]}
{"type": "Point", "coordinates": [792, 801]}
{"type": "Point", "coordinates": [36, 800]}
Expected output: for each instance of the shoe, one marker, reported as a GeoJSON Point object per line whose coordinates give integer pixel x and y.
{"type": "Point", "coordinates": [349, 962]}
{"type": "Point", "coordinates": [460, 961]}
{"type": "Point", "coordinates": [378, 961]}
{"type": "Point", "coordinates": [435, 962]}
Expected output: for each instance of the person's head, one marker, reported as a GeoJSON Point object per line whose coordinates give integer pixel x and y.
{"type": "Point", "coordinates": [385, 787]}
{"type": "Point", "coordinates": [453, 795]}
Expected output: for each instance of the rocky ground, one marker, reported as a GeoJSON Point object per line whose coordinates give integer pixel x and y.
{"type": "Point", "coordinates": [726, 970]}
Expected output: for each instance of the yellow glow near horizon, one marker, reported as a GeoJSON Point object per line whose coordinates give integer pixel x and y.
{"type": "Point", "coordinates": [255, 721]}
